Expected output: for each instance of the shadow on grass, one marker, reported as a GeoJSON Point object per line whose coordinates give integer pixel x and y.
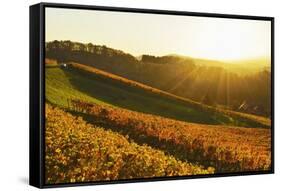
{"type": "Point", "coordinates": [136, 99]}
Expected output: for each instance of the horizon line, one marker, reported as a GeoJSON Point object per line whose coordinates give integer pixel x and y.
{"type": "Point", "coordinates": [173, 54]}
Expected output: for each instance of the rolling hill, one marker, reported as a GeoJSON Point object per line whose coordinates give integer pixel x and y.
{"type": "Point", "coordinates": [97, 86]}
{"type": "Point", "coordinates": [227, 85]}
{"type": "Point", "coordinates": [196, 137]}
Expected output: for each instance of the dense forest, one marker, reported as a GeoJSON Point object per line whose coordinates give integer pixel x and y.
{"type": "Point", "coordinates": [210, 84]}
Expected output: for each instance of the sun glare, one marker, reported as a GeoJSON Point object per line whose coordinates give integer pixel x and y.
{"type": "Point", "coordinates": [137, 34]}
{"type": "Point", "coordinates": [228, 39]}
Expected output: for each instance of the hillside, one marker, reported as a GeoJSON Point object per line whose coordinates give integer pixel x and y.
{"type": "Point", "coordinates": [208, 81]}
{"type": "Point", "coordinates": [96, 86]}
{"type": "Point", "coordinates": [225, 148]}
{"type": "Point", "coordinates": [77, 151]}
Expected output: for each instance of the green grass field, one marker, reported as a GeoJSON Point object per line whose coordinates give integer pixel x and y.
{"type": "Point", "coordinates": [72, 83]}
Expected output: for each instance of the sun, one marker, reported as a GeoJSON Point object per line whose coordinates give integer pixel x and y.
{"type": "Point", "coordinates": [228, 39]}
{"type": "Point", "coordinates": [159, 35]}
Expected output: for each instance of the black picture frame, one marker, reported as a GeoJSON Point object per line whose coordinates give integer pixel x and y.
{"type": "Point", "coordinates": [37, 91]}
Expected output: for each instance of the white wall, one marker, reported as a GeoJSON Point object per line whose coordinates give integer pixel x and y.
{"type": "Point", "coordinates": [14, 53]}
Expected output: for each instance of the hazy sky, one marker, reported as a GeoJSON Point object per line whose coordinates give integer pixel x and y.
{"type": "Point", "coordinates": [135, 33]}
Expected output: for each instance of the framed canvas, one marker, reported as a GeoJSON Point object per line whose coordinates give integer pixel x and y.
{"type": "Point", "coordinates": [127, 95]}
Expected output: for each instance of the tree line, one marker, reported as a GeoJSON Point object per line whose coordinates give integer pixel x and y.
{"type": "Point", "coordinates": [211, 85]}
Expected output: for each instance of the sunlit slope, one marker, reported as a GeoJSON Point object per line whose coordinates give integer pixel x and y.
{"type": "Point", "coordinates": [229, 85]}
{"type": "Point", "coordinates": [81, 152]}
{"type": "Point", "coordinates": [59, 88]}
{"type": "Point", "coordinates": [93, 85]}
{"type": "Point", "coordinates": [227, 149]}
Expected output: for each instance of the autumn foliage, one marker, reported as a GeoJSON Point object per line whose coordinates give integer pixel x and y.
{"type": "Point", "coordinates": [79, 152]}
{"type": "Point", "coordinates": [254, 120]}
{"type": "Point", "coordinates": [226, 148]}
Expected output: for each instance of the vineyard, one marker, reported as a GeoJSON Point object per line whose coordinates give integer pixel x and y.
{"type": "Point", "coordinates": [227, 149]}
{"type": "Point", "coordinates": [100, 126]}
{"type": "Point", "coordinates": [93, 85]}
{"type": "Point", "coordinates": [241, 117]}
{"type": "Point", "coordinates": [79, 152]}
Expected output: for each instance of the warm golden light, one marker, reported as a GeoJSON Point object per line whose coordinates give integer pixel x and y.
{"type": "Point", "coordinates": [135, 33]}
